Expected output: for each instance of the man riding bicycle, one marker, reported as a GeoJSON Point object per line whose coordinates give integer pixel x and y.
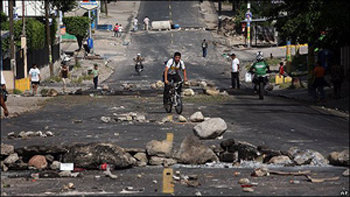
{"type": "Point", "coordinates": [139, 59]}
{"type": "Point", "coordinates": [171, 72]}
{"type": "Point", "coordinates": [260, 68]}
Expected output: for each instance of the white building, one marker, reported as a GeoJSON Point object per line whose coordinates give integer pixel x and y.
{"type": "Point", "coordinates": [32, 8]}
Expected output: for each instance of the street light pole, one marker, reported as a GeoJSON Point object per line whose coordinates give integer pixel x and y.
{"type": "Point", "coordinates": [24, 40]}
{"type": "Point", "coordinates": [48, 37]}
{"type": "Point", "coordinates": [248, 17]}
{"type": "Point", "coordinates": [12, 42]}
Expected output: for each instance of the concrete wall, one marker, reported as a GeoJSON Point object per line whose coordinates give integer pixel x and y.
{"type": "Point", "coordinates": [8, 74]}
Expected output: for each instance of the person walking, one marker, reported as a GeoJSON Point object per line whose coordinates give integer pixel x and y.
{"type": "Point", "coordinates": [116, 30]}
{"type": "Point", "coordinates": [319, 82]}
{"type": "Point", "coordinates": [135, 23]}
{"type": "Point", "coordinates": [235, 71]}
{"type": "Point", "coordinates": [282, 71]}
{"type": "Point", "coordinates": [205, 48]}
{"type": "Point", "coordinates": [3, 95]}
{"type": "Point", "coordinates": [94, 74]}
{"type": "Point", "coordinates": [146, 22]}
{"type": "Point", "coordinates": [34, 76]}
{"type": "Point", "coordinates": [120, 30]}
{"type": "Point", "coordinates": [337, 77]}
{"type": "Point", "coordinates": [64, 76]}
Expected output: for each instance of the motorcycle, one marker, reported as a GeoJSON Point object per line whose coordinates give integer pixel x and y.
{"type": "Point", "coordinates": [138, 67]}
{"type": "Point", "coordinates": [174, 98]}
{"type": "Point", "coordinates": [261, 82]}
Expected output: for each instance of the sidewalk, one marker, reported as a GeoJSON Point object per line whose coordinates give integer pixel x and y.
{"type": "Point", "coordinates": [341, 104]}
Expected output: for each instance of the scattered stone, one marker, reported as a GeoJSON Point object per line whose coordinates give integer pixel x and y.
{"type": "Point", "coordinates": [12, 158]}
{"type": "Point", "coordinates": [65, 173]}
{"type": "Point", "coordinates": [211, 91]}
{"type": "Point", "coordinates": [55, 165]}
{"type": "Point", "coordinates": [49, 133]}
{"type": "Point", "coordinates": [160, 148]}
{"type": "Point", "coordinates": [141, 164]}
{"type": "Point", "coordinates": [181, 118]}
{"type": "Point", "coordinates": [282, 159]}
{"type": "Point", "coordinates": [105, 87]}
{"type": "Point", "coordinates": [197, 117]}
{"type": "Point", "coordinates": [49, 158]}
{"type": "Point", "coordinates": [248, 189]}
{"type": "Point", "coordinates": [346, 172]}
{"type": "Point", "coordinates": [139, 176]}
{"type": "Point", "coordinates": [210, 129]}
{"type": "Point", "coordinates": [154, 86]}
{"type": "Point", "coordinates": [4, 167]}
{"type": "Point", "coordinates": [339, 158]}
{"type": "Point", "coordinates": [141, 157]}
{"type": "Point", "coordinates": [259, 172]}
{"type": "Point", "coordinates": [203, 84]}
{"type": "Point", "coordinates": [159, 84]}
{"type": "Point", "coordinates": [38, 133]}
{"type": "Point", "coordinates": [198, 193]}
{"type": "Point", "coordinates": [30, 133]}
{"type": "Point", "coordinates": [28, 151]}
{"type": "Point", "coordinates": [155, 160]}
{"type": "Point", "coordinates": [224, 93]}
{"type": "Point", "coordinates": [106, 119]}
{"type": "Point", "coordinates": [303, 157]}
{"type": "Point", "coordinates": [243, 181]}
{"type": "Point", "coordinates": [155, 181]}
{"type": "Point", "coordinates": [188, 92]}
{"type": "Point", "coordinates": [192, 151]}
{"type": "Point", "coordinates": [38, 161]}
{"type": "Point", "coordinates": [109, 174]}
{"type": "Point", "coordinates": [227, 143]}
{"type": "Point", "coordinates": [140, 118]}
{"type": "Point", "coordinates": [11, 135]}
{"type": "Point", "coordinates": [246, 151]}
{"type": "Point", "coordinates": [90, 156]}
{"type": "Point", "coordinates": [133, 151]}
{"type": "Point", "coordinates": [7, 149]}
{"type": "Point", "coordinates": [228, 157]}
{"type": "Point", "coordinates": [52, 93]}
{"type": "Point", "coordinates": [69, 186]}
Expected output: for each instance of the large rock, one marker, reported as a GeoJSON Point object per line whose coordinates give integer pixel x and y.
{"type": "Point", "coordinates": [228, 157]}
{"type": "Point", "coordinates": [7, 149]}
{"type": "Point", "coordinates": [282, 160]}
{"type": "Point", "coordinates": [52, 93]}
{"type": "Point", "coordinates": [38, 161]}
{"type": "Point", "coordinates": [28, 152]}
{"type": "Point", "coordinates": [11, 159]}
{"type": "Point", "coordinates": [211, 91]}
{"type": "Point", "coordinates": [210, 129]}
{"type": "Point", "coordinates": [160, 148]}
{"type": "Point", "coordinates": [155, 160]}
{"type": "Point", "coordinates": [304, 157]}
{"type": "Point", "coordinates": [141, 157]}
{"type": "Point", "coordinates": [188, 92]}
{"type": "Point", "coordinates": [197, 117]}
{"type": "Point", "coordinates": [90, 156]}
{"type": "Point", "coordinates": [227, 143]}
{"type": "Point", "coordinates": [55, 165]}
{"type": "Point", "coordinates": [339, 158]}
{"type": "Point", "coordinates": [192, 151]}
{"type": "Point", "coordinates": [181, 118]}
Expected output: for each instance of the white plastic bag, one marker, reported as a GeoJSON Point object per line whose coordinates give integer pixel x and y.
{"type": "Point", "coordinates": [248, 77]}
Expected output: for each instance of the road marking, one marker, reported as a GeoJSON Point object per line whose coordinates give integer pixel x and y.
{"type": "Point", "coordinates": [169, 137]}
{"type": "Point", "coordinates": [170, 118]}
{"type": "Point", "coordinates": [293, 46]}
{"type": "Point", "coordinates": [168, 186]}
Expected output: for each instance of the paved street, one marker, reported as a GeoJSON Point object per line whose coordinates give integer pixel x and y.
{"type": "Point", "coordinates": [275, 122]}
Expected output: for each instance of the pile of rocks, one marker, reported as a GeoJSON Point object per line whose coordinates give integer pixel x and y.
{"type": "Point", "coordinates": [128, 117]}
{"type": "Point", "coordinates": [29, 134]}
{"type": "Point", "coordinates": [157, 85]}
{"type": "Point", "coordinates": [49, 93]}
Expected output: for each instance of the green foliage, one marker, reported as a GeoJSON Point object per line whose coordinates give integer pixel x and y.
{"type": "Point", "coordinates": [64, 5]}
{"type": "Point", "coordinates": [16, 91]}
{"type": "Point", "coordinates": [77, 26]}
{"type": "Point", "coordinates": [35, 32]}
{"type": "Point", "coordinates": [4, 21]}
{"type": "Point", "coordinates": [273, 61]}
{"type": "Point", "coordinates": [5, 45]}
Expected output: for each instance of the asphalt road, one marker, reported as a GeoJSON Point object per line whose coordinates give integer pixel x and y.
{"type": "Point", "coordinates": [275, 122]}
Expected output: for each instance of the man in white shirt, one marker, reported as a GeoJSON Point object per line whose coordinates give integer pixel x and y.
{"type": "Point", "coordinates": [3, 94]}
{"type": "Point", "coordinates": [146, 21]}
{"type": "Point", "coordinates": [234, 71]}
{"type": "Point", "coordinates": [135, 24]}
{"type": "Point", "coordinates": [34, 76]}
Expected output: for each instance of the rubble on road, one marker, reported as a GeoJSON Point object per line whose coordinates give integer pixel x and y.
{"type": "Point", "coordinates": [339, 158]}
{"type": "Point", "coordinates": [7, 149]}
{"type": "Point", "coordinates": [159, 148]}
{"type": "Point", "coordinates": [48, 92]}
{"type": "Point", "coordinates": [181, 118]}
{"type": "Point", "coordinates": [30, 134]}
{"type": "Point", "coordinates": [38, 161]}
{"type": "Point", "coordinates": [155, 160]}
{"type": "Point", "coordinates": [321, 180]}
{"type": "Point", "coordinates": [197, 117]}
{"type": "Point", "coordinates": [346, 172]}
{"type": "Point", "coordinates": [131, 116]}
{"type": "Point", "coordinates": [106, 119]}
{"type": "Point", "coordinates": [188, 92]}
{"type": "Point", "coordinates": [302, 157]}
{"type": "Point", "coordinates": [210, 129]}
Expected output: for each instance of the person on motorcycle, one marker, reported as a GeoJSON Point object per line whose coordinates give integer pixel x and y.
{"type": "Point", "coordinates": [139, 59]}
{"type": "Point", "coordinates": [259, 68]}
{"type": "Point", "coordinates": [171, 72]}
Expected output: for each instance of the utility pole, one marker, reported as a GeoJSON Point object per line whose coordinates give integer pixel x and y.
{"type": "Point", "coordinates": [24, 40]}
{"type": "Point", "coordinates": [248, 17]}
{"type": "Point", "coordinates": [48, 35]}
{"type": "Point", "coordinates": [12, 42]}
{"type": "Point", "coordinates": [220, 6]}
{"type": "Point", "coordinates": [106, 7]}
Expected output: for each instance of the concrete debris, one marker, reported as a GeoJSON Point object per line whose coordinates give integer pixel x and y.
{"type": "Point", "coordinates": [210, 129]}
{"type": "Point", "coordinates": [12, 158]}
{"type": "Point", "coordinates": [346, 172]}
{"type": "Point", "coordinates": [106, 119]}
{"type": "Point", "coordinates": [303, 157]}
{"type": "Point", "coordinates": [259, 172]}
{"type": "Point", "coordinates": [188, 92]}
{"type": "Point", "coordinates": [29, 134]}
{"type": "Point", "coordinates": [109, 174]}
{"type": "Point", "coordinates": [38, 161]}
{"type": "Point", "coordinates": [282, 159]}
{"type": "Point", "coordinates": [159, 84]}
{"type": "Point", "coordinates": [197, 117]}
{"type": "Point", "coordinates": [248, 189]}
{"type": "Point", "coordinates": [130, 117]}
{"type": "Point", "coordinates": [7, 149]}
{"type": "Point", "coordinates": [55, 165]}
{"type": "Point", "coordinates": [211, 91]}
{"type": "Point", "coordinates": [159, 148]}
{"type": "Point", "coordinates": [155, 181]}
{"type": "Point", "coordinates": [321, 180]}
{"type": "Point", "coordinates": [181, 118]}
{"type": "Point", "coordinates": [155, 160]}
{"type": "Point", "coordinates": [198, 193]}
{"type": "Point", "coordinates": [244, 181]}
{"type": "Point", "coordinates": [339, 158]}
{"type": "Point", "coordinates": [69, 186]}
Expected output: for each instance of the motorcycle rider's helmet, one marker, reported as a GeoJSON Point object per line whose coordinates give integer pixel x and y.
{"type": "Point", "coordinates": [139, 54]}
{"type": "Point", "coordinates": [259, 56]}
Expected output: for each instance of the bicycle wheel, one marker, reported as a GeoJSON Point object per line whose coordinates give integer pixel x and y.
{"type": "Point", "coordinates": [178, 107]}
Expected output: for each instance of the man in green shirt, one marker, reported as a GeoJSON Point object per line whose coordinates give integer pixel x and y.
{"type": "Point", "coordinates": [94, 74]}
{"type": "Point", "coordinates": [260, 68]}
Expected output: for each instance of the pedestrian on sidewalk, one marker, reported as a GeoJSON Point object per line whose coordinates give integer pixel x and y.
{"type": "Point", "coordinates": [337, 77]}
{"type": "Point", "coordinates": [146, 22]}
{"type": "Point", "coordinates": [116, 30]}
{"type": "Point", "coordinates": [64, 76]}
{"type": "Point", "coordinates": [205, 48]}
{"type": "Point", "coordinates": [235, 71]}
{"type": "Point", "coordinates": [319, 82]}
{"type": "Point", "coordinates": [3, 95]}
{"type": "Point", "coordinates": [120, 30]}
{"type": "Point", "coordinates": [34, 76]}
{"type": "Point", "coordinates": [135, 23]}
{"type": "Point", "coordinates": [94, 74]}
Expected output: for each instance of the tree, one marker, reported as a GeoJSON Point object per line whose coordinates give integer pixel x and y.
{"type": "Point", "coordinates": [35, 32]}
{"type": "Point", "coordinates": [64, 5]}
{"type": "Point", "coordinates": [77, 26]}
{"type": "Point", "coordinates": [4, 21]}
